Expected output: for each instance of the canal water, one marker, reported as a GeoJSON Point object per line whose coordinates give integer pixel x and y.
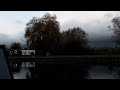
{"type": "Point", "coordinates": [22, 74]}
{"type": "Point", "coordinates": [103, 72]}
{"type": "Point", "coordinates": [24, 71]}
{"type": "Point", "coordinates": [94, 72]}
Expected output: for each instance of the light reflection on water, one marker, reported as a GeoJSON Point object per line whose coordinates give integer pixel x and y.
{"type": "Point", "coordinates": [24, 71]}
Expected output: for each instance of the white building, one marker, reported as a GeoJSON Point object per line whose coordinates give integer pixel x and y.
{"type": "Point", "coordinates": [28, 52]}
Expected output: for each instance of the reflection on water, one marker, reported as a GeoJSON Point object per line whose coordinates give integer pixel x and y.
{"type": "Point", "coordinates": [22, 74]}
{"type": "Point", "coordinates": [68, 72]}
{"type": "Point", "coordinates": [103, 72]}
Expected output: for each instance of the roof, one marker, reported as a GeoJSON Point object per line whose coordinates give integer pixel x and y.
{"type": "Point", "coordinates": [5, 72]}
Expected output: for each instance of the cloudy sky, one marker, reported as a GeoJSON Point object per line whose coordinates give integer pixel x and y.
{"type": "Point", "coordinates": [95, 23]}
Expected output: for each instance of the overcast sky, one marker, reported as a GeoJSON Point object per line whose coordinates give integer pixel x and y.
{"type": "Point", "coordinates": [95, 23]}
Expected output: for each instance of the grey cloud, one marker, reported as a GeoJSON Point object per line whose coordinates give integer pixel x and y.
{"type": "Point", "coordinates": [98, 21]}
{"type": "Point", "coordinates": [70, 24]}
{"type": "Point", "coordinates": [108, 15]}
{"type": "Point", "coordinates": [19, 22]}
{"type": "Point", "coordinates": [20, 37]}
{"type": "Point", "coordinates": [101, 44]}
{"type": "Point", "coordinates": [7, 39]}
{"type": "Point", "coordinates": [98, 32]}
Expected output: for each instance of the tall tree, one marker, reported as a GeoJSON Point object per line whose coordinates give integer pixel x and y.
{"type": "Point", "coordinates": [116, 29]}
{"type": "Point", "coordinates": [43, 33]}
{"type": "Point", "coordinates": [74, 39]}
{"type": "Point", "coordinates": [15, 45]}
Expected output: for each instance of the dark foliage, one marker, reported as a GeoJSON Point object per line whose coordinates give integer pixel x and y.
{"type": "Point", "coordinates": [116, 29]}
{"type": "Point", "coordinates": [16, 45]}
{"type": "Point", "coordinates": [43, 34]}
{"type": "Point", "coordinates": [73, 41]}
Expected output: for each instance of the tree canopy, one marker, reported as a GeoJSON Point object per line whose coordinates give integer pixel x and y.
{"type": "Point", "coordinates": [43, 33]}
{"type": "Point", "coordinates": [15, 45]}
{"type": "Point", "coordinates": [74, 39]}
{"type": "Point", "coordinates": [116, 29]}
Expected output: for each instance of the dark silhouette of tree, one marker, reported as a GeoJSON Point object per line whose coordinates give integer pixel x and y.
{"type": "Point", "coordinates": [116, 29]}
{"type": "Point", "coordinates": [43, 33]}
{"type": "Point", "coordinates": [15, 45]}
{"type": "Point", "coordinates": [74, 39]}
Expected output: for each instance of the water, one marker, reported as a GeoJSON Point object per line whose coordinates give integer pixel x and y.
{"type": "Point", "coordinates": [24, 71]}
{"type": "Point", "coordinates": [103, 72]}
{"type": "Point", "coordinates": [94, 72]}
